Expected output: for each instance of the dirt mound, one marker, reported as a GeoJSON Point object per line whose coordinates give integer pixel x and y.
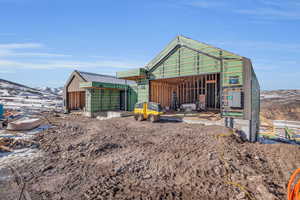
{"type": "Point", "coordinates": [124, 159]}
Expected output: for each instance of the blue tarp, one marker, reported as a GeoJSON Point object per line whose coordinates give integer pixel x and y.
{"type": "Point", "coordinates": [265, 140]}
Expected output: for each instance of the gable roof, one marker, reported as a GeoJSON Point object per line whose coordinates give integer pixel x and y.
{"type": "Point", "coordinates": [92, 77]}
{"type": "Point", "coordinates": [200, 47]}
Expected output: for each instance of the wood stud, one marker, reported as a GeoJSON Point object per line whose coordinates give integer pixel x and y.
{"type": "Point", "coordinates": [187, 89]}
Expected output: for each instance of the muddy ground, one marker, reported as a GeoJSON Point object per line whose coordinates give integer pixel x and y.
{"type": "Point", "coordinates": [123, 159]}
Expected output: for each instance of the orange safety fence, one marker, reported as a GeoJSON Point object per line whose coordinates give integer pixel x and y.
{"type": "Point", "coordinates": [294, 186]}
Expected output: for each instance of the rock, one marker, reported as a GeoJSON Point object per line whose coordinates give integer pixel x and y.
{"type": "Point", "coordinates": [241, 195]}
{"type": "Point", "coordinates": [264, 192]}
{"type": "Point", "coordinates": [147, 176]}
{"type": "Point", "coordinates": [256, 178]}
{"type": "Point", "coordinates": [210, 156]}
{"type": "Point", "coordinates": [217, 170]}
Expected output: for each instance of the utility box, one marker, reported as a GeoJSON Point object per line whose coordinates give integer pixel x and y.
{"type": "Point", "coordinates": [234, 99]}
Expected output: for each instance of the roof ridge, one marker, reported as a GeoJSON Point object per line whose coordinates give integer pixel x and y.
{"type": "Point", "coordinates": [90, 73]}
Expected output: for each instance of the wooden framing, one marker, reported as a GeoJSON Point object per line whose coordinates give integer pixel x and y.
{"type": "Point", "coordinates": [187, 90]}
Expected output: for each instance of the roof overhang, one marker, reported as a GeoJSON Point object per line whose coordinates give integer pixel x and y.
{"type": "Point", "coordinates": [100, 85]}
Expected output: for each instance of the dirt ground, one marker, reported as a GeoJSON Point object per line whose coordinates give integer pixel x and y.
{"type": "Point", "coordinates": [284, 105]}
{"type": "Point", "coordinates": [278, 110]}
{"type": "Point", "coordinates": [124, 159]}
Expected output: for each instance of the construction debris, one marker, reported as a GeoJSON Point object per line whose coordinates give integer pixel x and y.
{"type": "Point", "coordinates": [4, 149]}
{"type": "Point", "coordinates": [24, 124]}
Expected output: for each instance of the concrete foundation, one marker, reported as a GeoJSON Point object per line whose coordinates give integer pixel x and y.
{"type": "Point", "coordinates": [242, 126]}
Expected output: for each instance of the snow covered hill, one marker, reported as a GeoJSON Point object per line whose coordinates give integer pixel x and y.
{"type": "Point", "coordinates": [15, 96]}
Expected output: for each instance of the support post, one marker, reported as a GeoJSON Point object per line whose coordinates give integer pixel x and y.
{"type": "Point", "coordinates": [221, 83]}
{"type": "Point", "coordinates": [125, 95]}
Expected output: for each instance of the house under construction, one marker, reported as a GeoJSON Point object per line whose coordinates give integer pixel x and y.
{"type": "Point", "coordinates": [191, 72]}
{"type": "Point", "coordinates": [96, 93]}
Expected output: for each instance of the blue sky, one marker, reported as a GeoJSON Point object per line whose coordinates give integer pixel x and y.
{"type": "Point", "coordinates": [43, 41]}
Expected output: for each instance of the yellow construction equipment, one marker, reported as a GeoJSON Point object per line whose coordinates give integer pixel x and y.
{"type": "Point", "coordinates": [147, 111]}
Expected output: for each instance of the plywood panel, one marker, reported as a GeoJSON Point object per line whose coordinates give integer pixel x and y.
{"type": "Point", "coordinates": [76, 100]}
{"type": "Point", "coordinates": [74, 85]}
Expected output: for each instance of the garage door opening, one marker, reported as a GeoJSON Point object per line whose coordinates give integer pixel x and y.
{"type": "Point", "coordinates": [201, 90]}
{"type": "Point", "coordinates": [76, 100]}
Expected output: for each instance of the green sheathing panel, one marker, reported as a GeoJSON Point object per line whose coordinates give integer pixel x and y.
{"type": "Point", "coordinates": [107, 100]}
{"type": "Point", "coordinates": [200, 47]}
{"type": "Point", "coordinates": [132, 97]}
{"type": "Point", "coordinates": [163, 53]}
{"type": "Point", "coordinates": [233, 69]}
{"type": "Point", "coordinates": [169, 68]}
{"type": "Point", "coordinates": [232, 78]}
{"type": "Point", "coordinates": [206, 48]}
{"type": "Point", "coordinates": [132, 72]}
{"type": "Point", "coordinates": [232, 114]}
{"type": "Point", "coordinates": [185, 62]}
{"type": "Point", "coordinates": [143, 91]}
{"type": "Point", "coordinates": [104, 100]}
{"type": "Point", "coordinates": [102, 85]}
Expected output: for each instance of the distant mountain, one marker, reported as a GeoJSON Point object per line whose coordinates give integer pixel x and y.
{"type": "Point", "coordinates": [56, 91]}
{"type": "Point", "coordinates": [9, 89]}
{"type": "Point", "coordinates": [280, 95]}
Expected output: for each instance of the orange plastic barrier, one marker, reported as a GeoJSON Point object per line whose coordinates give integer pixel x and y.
{"type": "Point", "coordinates": [294, 191]}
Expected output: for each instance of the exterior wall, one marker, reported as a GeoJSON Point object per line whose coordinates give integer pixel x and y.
{"type": "Point", "coordinates": [132, 97]}
{"type": "Point", "coordinates": [255, 106]}
{"type": "Point", "coordinates": [98, 100]}
{"type": "Point", "coordinates": [102, 100]}
{"type": "Point", "coordinates": [232, 68]}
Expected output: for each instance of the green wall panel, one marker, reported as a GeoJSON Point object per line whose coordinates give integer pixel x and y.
{"type": "Point", "coordinates": [143, 91]}
{"type": "Point", "coordinates": [185, 62]}
{"type": "Point", "coordinates": [232, 69]}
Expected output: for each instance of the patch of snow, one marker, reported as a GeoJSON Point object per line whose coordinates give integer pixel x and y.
{"type": "Point", "coordinates": [21, 155]}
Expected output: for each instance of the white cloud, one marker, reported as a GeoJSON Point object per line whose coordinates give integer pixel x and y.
{"type": "Point", "coordinates": [7, 71]}
{"type": "Point", "coordinates": [12, 57]}
{"type": "Point", "coordinates": [261, 9]}
{"type": "Point", "coordinates": [108, 64]}
{"type": "Point", "coordinates": [271, 13]}
{"type": "Point", "coordinates": [30, 54]}
{"type": "Point", "coordinates": [20, 46]}
{"type": "Point", "coordinates": [206, 4]}
{"type": "Point", "coordinates": [21, 50]}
